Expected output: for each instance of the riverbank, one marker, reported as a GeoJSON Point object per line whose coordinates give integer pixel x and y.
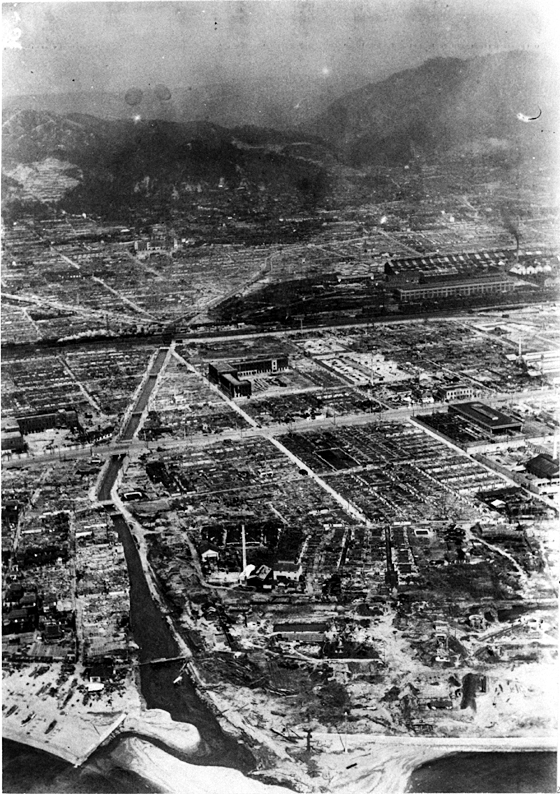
{"type": "Point", "coordinates": [72, 741]}
{"type": "Point", "coordinates": [43, 707]}
{"type": "Point", "coordinates": [355, 764]}
{"type": "Point", "coordinates": [385, 763]}
{"type": "Point", "coordinates": [26, 770]}
{"type": "Point", "coordinates": [156, 637]}
{"type": "Point", "coordinates": [272, 726]}
{"type": "Point", "coordinates": [75, 740]}
{"type": "Point", "coordinates": [170, 775]}
{"type": "Point", "coordinates": [157, 724]}
{"type": "Point", "coordinates": [48, 714]}
{"type": "Point", "coordinates": [138, 533]}
{"type": "Point", "coordinates": [362, 762]}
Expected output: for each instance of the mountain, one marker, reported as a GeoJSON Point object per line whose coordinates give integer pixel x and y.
{"type": "Point", "coordinates": [232, 104]}
{"type": "Point", "coordinates": [30, 136]}
{"type": "Point", "coordinates": [136, 167]}
{"type": "Point", "coordinates": [446, 104]}
{"type": "Point", "coordinates": [115, 167]}
{"type": "Point", "coordinates": [102, 104]}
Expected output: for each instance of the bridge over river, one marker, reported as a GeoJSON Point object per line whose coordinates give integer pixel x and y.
{"type": "Point", "coordinates": [160, 658]}
{"type": "Point", "coordinates": [166, 660]}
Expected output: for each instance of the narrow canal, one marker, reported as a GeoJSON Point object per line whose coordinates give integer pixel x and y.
{"type": "Point", "coordinates": [144, 396]}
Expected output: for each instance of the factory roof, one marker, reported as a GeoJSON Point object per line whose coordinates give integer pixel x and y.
{"type": "Point", "coordinates": [491, 278]}
{"type": "Point", "coordinates": [486, 416]}
{"type": "Point", "coordinates": [543, 466]}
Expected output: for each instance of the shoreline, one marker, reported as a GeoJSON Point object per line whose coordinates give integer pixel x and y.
{"type": "Point", "coordinates": [174, 776]}
{"type": "Point", "coordinates": [448, 744]}
{"type": "Point", "coordinates": [377, 761]}
{"type": "Point", "coordinates": [153, 724]}
{"type": "Point", "coordinates": [25, 737]}
{"type": "Point", "coordinates": [360, 764]}
{"type": "Point", "coordinates": [491, 744]}
{"type": "Point", "coordinates": [375, 766]}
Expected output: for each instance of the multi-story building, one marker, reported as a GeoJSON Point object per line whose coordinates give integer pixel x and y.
{"type": "Point", "coordinates": [225, 376]}
{"type": "Point", "coordinates": [436, 290]}
{"type": "Point", "coordinates": [230, 375]}
{"type": "Point", "coordinates": [458, 391]}
{"type": "Point", "coordinates": [36, 423]}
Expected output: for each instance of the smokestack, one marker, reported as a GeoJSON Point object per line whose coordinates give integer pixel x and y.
{"type": "Point", "coordinates": [510, 226]}
{"type": "Point", "coordinates": [243, 546]}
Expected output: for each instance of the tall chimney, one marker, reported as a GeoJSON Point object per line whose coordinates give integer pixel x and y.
{"type": "Point", "coordinates": [243, 546]}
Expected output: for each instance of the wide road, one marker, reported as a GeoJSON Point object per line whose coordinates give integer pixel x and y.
{"type": "Point", "coordinates": [130, 444]}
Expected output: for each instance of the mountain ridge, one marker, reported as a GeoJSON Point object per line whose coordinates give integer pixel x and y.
{"type": "Point", "coordinates": [153, 164]}
{"type": "Point", "coordinates": [229, 104]}
{"type": "Point", "coordinates": [444, 108]}
{"type": "Point", "coordinates": [443, 103]}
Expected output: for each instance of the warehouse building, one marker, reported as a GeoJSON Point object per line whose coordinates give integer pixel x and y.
{"type": "Point", "coordinates": [494, 422]}
{"type": "Point", "coordinates": [420, 269]}
{"type": "Point", "coordinates": [543, 363]}
{"type": "Point", "coordinates": [437, 290]}
{"type": "Point", "coordinates": [37, 423]}
{"type": "Point", "coordinates": [543, 466]}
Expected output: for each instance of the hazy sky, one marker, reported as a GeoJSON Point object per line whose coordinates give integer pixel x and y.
{"type": "Point", "coordinates": [57, 47]}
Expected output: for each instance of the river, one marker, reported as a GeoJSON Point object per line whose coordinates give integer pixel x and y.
{"type": "Point", "coordinates": [25, 769]}
{"type": "Point", "coordinates": [30, 770]}
{"type": "Point", "coordinates": [155, 640]}
{"type": "Point", "coordinates": [487, 772]}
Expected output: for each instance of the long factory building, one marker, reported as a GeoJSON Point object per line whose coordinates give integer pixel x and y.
{"type": "Point", "coordinates": [435, 290]}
